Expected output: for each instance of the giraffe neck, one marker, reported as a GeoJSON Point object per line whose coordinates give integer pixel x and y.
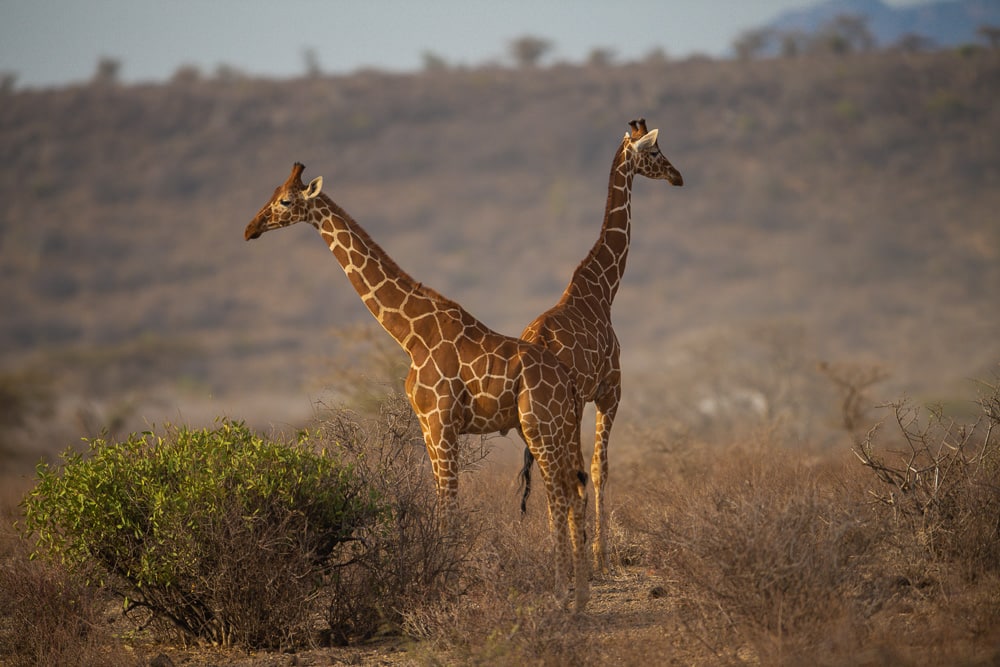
{"type": "Point", "coordinates": [392, 296]}
{"type": "Point", "coordinates": [600, 273]}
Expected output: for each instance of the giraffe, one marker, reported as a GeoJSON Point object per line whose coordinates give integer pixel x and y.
{"type": "Point", "coordinates": [578, 328]}
{"type": "Point", "coordinates": [463, 377]}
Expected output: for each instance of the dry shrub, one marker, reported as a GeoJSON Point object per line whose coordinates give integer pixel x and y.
{"type": "Point", "coordinates": [479, 591]}
{"type": "Point", "coordinates": [760, 551]}
{"type": "Point", "coordinates": [49, 617]}
{"type": "Point", "coordinates": [933, 583]}
{"type": "Point", "coordinates": [261, 581]}
{"type": "Point", "coordinates": [939, 482]}
{"type": "Point", "coordinates": [506, 613]}
{"type": "Point", "coordinates": [408, 557]}
{"type": "Point", "coordinates": [784, 556]}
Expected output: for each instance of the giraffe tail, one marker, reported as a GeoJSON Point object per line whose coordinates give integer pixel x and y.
{"type": "Point", "coordinates": [525, 476]}
{"type": "Point", "coordinates": [529, 459]}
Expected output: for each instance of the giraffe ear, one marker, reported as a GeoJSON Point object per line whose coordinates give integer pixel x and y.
{"type": "Point", "coordinates": [647, 141]}
{"type": "Point", "coordinates": [315, 185]}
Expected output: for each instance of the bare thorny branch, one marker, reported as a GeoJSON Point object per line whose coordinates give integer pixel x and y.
{"type": "Point", "coordinates": [939, 462]}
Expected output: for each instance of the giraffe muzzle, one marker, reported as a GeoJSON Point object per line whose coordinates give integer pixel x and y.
{"type": "Point", "coordinates": [253, 230]}
{"type": "Point", "coordinates": [674, 177]}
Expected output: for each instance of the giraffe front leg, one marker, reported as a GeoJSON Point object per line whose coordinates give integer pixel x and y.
{"type": "Point", "coordinates": [443, 456]}
{"type": "Point", "coordinates": [607, 407]}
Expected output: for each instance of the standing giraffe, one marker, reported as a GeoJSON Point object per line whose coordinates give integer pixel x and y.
{"type": "Point", "coordinates": [464, 377]}
{"type": "Point", "coordinates": [578, 328]}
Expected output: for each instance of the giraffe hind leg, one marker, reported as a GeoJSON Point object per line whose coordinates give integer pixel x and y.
{"type": "Point", "coordinates": [559, 498]}
{"type": "Point", "coordinates": [525, 476]}
{"type": "Point", "coordinates": [577, 520]}
{"type": "Point", "coordinates": [564, 555]}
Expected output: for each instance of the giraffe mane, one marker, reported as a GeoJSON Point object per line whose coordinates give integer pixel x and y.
{"type": "Point", "coordinates": [295, 181]}
{"type": "Point", "coordinates": [607, 206]}
{"type": "Point", "coordinates": [389, 262]}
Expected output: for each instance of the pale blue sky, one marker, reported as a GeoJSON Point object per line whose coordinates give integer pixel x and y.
{"type": "Point", "coordinates": [54, 42]}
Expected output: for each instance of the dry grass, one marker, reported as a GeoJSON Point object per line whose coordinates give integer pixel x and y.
{"type": "Point", "coordinates": [779, 557]}
{"type": "Point", "coordinates": [894, 270]}
{"type": "Point", "coordinates": [761, 551]}
{"type": "Point", "coordinates": [48, 617]}
{"type": "Point", "coordinates": [751, 552]}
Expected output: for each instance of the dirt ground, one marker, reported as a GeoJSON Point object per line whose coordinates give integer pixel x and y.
{"type": "Point", "coordinates": [630, 606]}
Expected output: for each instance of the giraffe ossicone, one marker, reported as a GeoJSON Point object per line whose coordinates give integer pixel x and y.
{"type": "Point", "coordinates": [578, 328]}
{"type": "Point", "coordinates": [463, 377]}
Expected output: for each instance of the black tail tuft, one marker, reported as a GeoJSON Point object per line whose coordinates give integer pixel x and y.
{"type": "Point", "coordinates": [529, 460]}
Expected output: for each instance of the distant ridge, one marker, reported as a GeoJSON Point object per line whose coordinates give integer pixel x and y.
{"type": "Point", "coordinates": [945, 23]}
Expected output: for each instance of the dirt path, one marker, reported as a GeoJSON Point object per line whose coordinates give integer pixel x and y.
{"type": "Point", "coordinates": [630, 608]}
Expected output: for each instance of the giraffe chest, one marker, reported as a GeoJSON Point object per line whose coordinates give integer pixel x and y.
{"type": "Point", "coordinates": [585, 343]}
{"type": "Point", "coordinates": [490, 399]}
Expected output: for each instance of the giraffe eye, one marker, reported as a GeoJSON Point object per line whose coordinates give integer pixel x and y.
{"type": "Point", "coordinates": [285, 202]}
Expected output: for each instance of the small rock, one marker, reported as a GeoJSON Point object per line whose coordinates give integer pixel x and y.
{"type": "Point", "coordinates": [658, 592]}
{"type": "Point", "coordinates": [161, 660]}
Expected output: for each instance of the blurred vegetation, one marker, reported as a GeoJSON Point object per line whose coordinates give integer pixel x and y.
{"type": "Point", "coordinates": [23, 396]}
{"type": "Point", "coordinates": [850, 198]}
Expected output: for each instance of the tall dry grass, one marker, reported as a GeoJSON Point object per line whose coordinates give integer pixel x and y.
{"type": "Point", "coordinates": [786, 555]}
{"type": "Point", "coordinates": [48, 617]}
{"type": "Point", "coordinates": [747, 551]}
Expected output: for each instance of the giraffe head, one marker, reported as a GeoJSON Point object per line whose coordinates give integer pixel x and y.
{"type": "Point", "coordinates": [289, 204]}
{"type": "Point", "coordinates": [641, 148]}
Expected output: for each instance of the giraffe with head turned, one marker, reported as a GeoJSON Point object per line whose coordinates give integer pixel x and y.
{"type": "Point", "coordinates": [463, 377]}
{"type": "Point", "coordinates": [578, 328]}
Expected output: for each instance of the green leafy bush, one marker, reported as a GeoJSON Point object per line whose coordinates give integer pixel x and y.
{"type": "Point", "coordinates": [226, 534]}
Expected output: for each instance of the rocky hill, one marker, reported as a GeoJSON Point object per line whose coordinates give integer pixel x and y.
{"type": "Point", "coordinates": [838, 208]}
{"type": "Point", "coordinates": [947, 23]}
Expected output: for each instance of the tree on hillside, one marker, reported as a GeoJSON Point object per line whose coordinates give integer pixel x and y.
{"type": "Point", "coordinates": [528, 50]}
{"type": "Point", "coordinates": [601, 57]}
{"type": "Point", "coordinates": [107, 72]}
{"type": "Point", "coordinates": [913, 43]}
{"type": "Point", "coordinates": [990, 34]}
{"type": "Point", "coordinates": [656, 56]}
{"type": "Point", "coordinates": [847, 33]}
{"type": "Point", "coordinates": [310, 58]}
{"type": "Point", "coordinates": [228, 73]}
{"type": "Point", "coordinates": [24, 396]}
{"type": "Point", "coordinates": [8, 80]}
{"type": "Point", "coordinates": [754, 43]}
{"type": "Point", "coordinates": [433, 62]}
{"type": "Point", "coordinates": [186, 74]}
{"type": "Point", "coordinates": [793, 43]}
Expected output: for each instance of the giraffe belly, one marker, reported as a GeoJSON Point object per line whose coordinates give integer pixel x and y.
{"type": "Point", "coordinates": [487, 415]}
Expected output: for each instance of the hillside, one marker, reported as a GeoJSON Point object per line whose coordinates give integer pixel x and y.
{"type": "Point", "coordinates": [833, 209]}
{"type": "Point", "coordinates": [944, 23]}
